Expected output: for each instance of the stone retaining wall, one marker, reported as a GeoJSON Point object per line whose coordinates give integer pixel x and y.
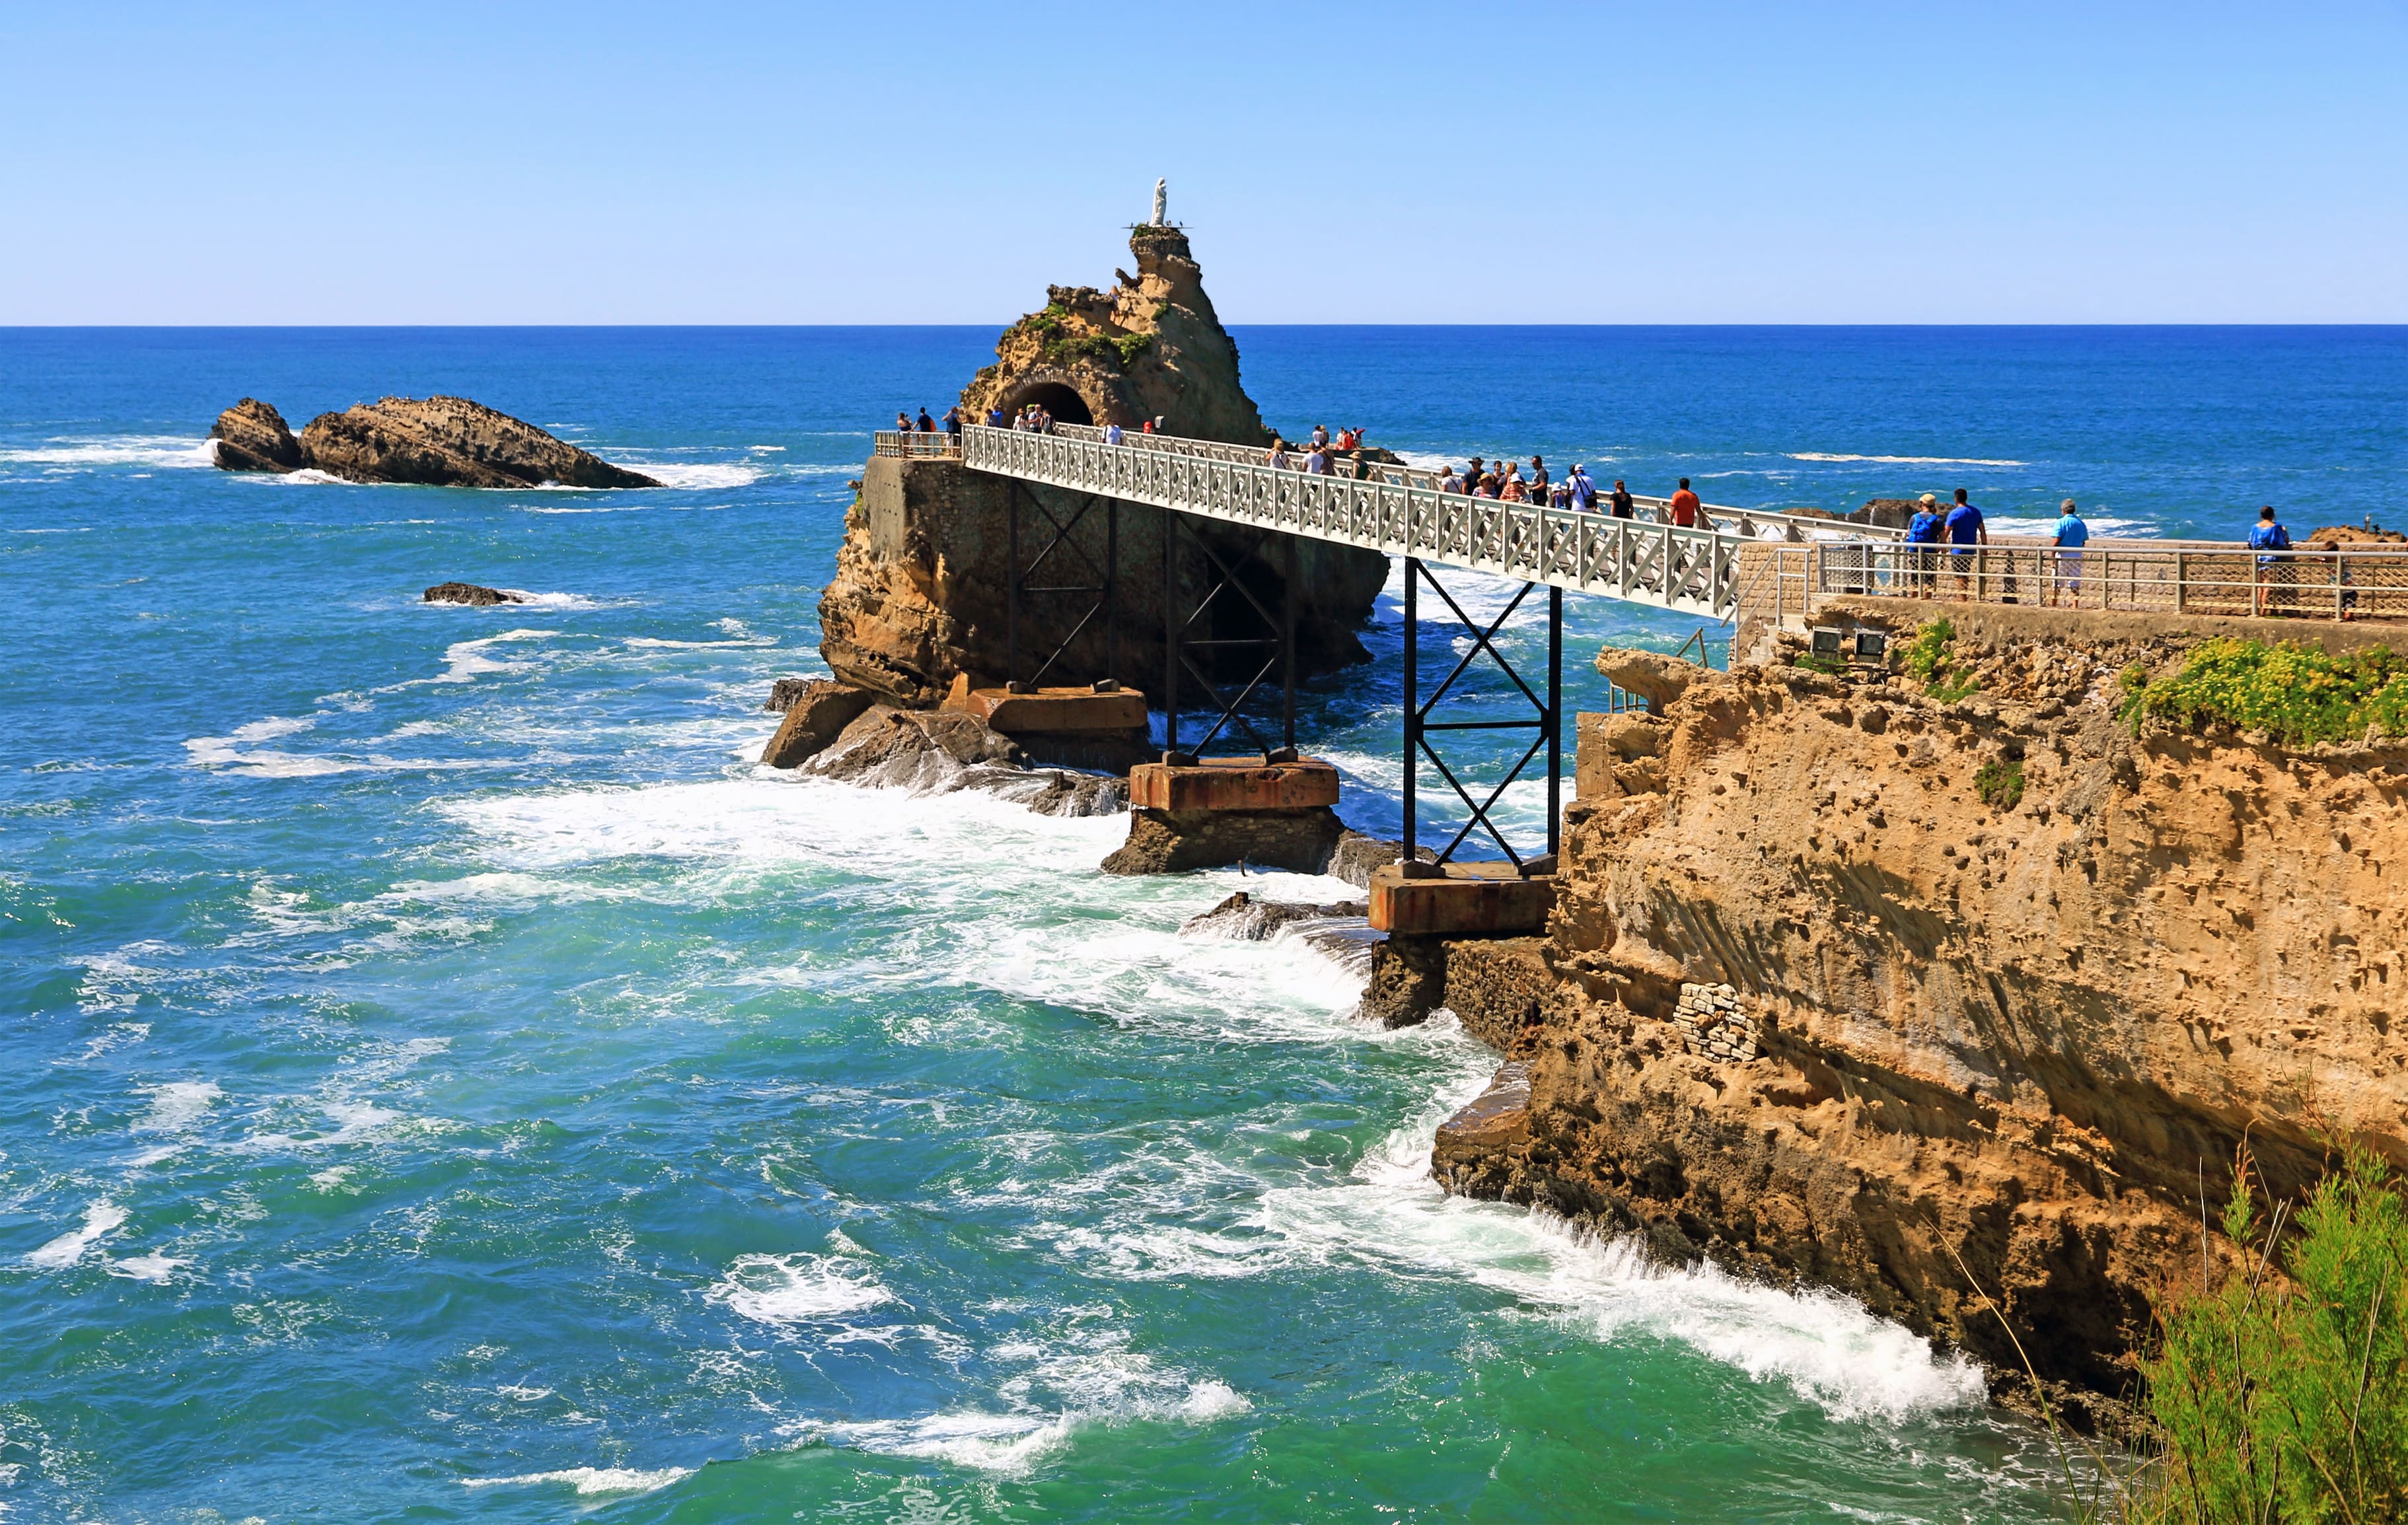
{"type": "Point", "coordinates": [1715, 1023]}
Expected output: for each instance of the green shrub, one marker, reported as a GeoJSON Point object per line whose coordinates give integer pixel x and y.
{"type": "Point", "coordinates": [1929, 662]}
{"type": "Point", "coordinates": [2286, 1397]}
{"type": "Point", "coordinates": [1133, 345]}
{"type": "Point", "coordinates": [1999, 782]}
{"type": "Point", "coordinates": [1812, 663]}
{"type": "Point", "coordinates": [2295, 693]}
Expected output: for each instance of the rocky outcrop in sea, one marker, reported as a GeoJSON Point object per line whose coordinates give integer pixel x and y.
{"type": "Point", "coordinates": [921, 581]}
{"type": "Point", "coordinates": [429, 441]}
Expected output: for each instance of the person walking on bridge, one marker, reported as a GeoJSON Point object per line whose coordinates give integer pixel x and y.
{"type": "Point", "coordinates": [1449, 483]}
{"type": "Point", "coordinates": [997, 419]}
{"type": "Point", "coordinates": [1684, 507]}
{"type": "Point", "coordinates": [1538, 477]}
{"type": "Point", "coordinates": [953, 421]}
{"type": "Point", "coordinates": [1278, 460]}
{"type": "Point", "coordinates": [927, 424]}
{"type": "Point", "coordinates": [1582, 491]}
{"type": "Point", "coordinates": [1620, 504]}
{"type": "Point", "coordinates": [1112, 432]}
{"type": "Point", "coordinates": [1316, 462]}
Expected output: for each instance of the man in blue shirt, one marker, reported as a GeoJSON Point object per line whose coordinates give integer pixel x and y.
{"type": "Point", "coordinates": [2269, 538]}
{"type": "Point", "coordinates": [1965, 531]}
{"type": "Point", "coordinates": [2071, 535]}
{"type": "Point", "coordinates": [1923, 532]}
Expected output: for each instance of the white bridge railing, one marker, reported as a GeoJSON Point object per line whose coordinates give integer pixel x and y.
{"type": "Point", "coordinates": [1691, 570]}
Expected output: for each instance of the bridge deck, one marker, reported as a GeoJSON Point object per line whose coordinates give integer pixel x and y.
{"type": "Point", "coordinates": [1780, 564]}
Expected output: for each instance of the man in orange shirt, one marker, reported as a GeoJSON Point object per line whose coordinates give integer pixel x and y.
{"type": "Point", "coordinates": [1684, 507]}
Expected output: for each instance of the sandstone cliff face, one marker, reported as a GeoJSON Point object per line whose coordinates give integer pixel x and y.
{"type": "Point", "coordinates": [921, 581]}
{"type": "Point", "coordinates": [2023, 1029]}
{"type": "Point", "coordinates": [433, 441]}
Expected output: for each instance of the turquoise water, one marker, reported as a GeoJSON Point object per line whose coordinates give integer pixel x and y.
{"type": "Point", "coordinates": [449, 1081]}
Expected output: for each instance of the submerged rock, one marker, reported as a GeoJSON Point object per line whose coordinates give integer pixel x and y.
{"type": "Point", "coordinates": [1174, 841]}
{"type": "Point", "coordinates": [252, 436]}
{"type": "Point", "coordinates": [433, 441]}
{"type": "Point", "coordinates": [938, 752]}
{"type": "Point", "coordinates": [1336, 931]}
{"type": "Point", "coordinates": [472, 593]}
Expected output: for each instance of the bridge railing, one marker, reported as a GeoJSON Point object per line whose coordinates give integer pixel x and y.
{"type": "Point", "coordinates": [915, 442]}
{"type": "Point", "coordinates": [2142, 577]}
{"type": "Point", "coordinates": [1757, 522]}
{"type": "Point", "coordinates": [1667, 565]}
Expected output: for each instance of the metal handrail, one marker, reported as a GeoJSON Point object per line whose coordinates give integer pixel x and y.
{"type": "Point", "coordinates": [1748, 522]}
{"type": "Point", "coordinates": [916, 442]}
{"type": "Point", "coordinates": [1668, 565]}
{"type": "Point", "coordinates": [2142, 577]}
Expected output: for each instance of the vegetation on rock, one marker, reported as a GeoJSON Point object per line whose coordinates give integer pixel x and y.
{"type": "Point", "coordinates": [2297, 694]}
{"type": "Point", "coordinates": [1999, 782]}
{"type": "Point", "coordinates": [1928, 661]}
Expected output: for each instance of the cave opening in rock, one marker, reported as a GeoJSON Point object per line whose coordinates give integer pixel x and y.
{"type": "Point", "coordinates": [1066, 404]}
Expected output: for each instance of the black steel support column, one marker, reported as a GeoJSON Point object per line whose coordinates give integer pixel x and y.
{"type": "Point", "coordinates": [1171, 628]}
{"type": "Point", "coordinates": [1278, 640]}
{"type": "Point", "coordinates": [1103, 590]}
{"type": "Point", "coordinates": [1555, 719]}
{"type": "Point", "coordinates": [1546, 719]}
{"type": "Point", "coordinates": [1287, 649]}
{"type": "Point", "coordinates": [1412, 700]}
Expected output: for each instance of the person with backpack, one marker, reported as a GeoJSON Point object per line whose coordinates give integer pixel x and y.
{"type": "Point", "coordinates": [1583, 491]}
{"type": "Point", "coordinates": [2269, 538]}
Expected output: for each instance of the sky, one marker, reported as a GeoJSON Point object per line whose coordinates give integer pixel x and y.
{"type": "Point", "coordinates": [930, 163]}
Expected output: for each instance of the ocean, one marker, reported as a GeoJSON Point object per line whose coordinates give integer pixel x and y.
{"type": "Point", "coordinates": [448, 1081]}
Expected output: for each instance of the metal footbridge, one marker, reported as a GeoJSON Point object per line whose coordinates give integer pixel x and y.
{"type": "Point", "coordinates": [1782, 565]}
{"type": "Point", "coordinates": [1399, 510]}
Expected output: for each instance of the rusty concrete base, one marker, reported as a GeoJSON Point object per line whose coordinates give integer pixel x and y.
{"type": "Point", "coordinates": [1301, 841]}
{"type": "Point", "coordinates": [1233, 783]}
{"type": "Point", "coordinates": [1051, 711]}
{"type": "Point", "coordinates": [1468, 900]}
{"type": "Point", "coordinates": [1063, 728]}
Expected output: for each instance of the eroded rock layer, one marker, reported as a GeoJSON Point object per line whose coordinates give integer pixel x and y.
{"type": "Point", "coordinates": [1926, 1001]}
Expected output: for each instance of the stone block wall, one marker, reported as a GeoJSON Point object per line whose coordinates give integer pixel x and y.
{"type": "Point", "coordinates": [1715, 1024]}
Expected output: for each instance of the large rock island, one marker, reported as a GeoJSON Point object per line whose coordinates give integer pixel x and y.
{"type": "Point", "coordinates": [921, 581]}
{"type": "Point", "coordinates": [430, 441]}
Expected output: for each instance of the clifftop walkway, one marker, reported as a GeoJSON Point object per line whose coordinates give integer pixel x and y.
{"type": "Point", "coordinates": [1736, 561]}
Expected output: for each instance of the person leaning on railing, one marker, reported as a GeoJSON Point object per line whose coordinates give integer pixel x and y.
{"type": "Point", "coordinates": [2071, 536]}
{"type": "Point", "coordinates": [2270, 537]}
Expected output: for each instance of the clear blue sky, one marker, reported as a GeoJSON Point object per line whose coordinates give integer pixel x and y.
{"type": "Point", "coordinates": [742, 163]}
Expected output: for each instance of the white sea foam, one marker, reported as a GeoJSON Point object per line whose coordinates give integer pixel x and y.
{"type": "Point", "coordinates": [153, 450]}
{"type": "Point", "coordinates": [698, 475]}
{"type": "Point", "coordinates": [356, 1122]}
{"type": "Point", "coordinates": [100, 1219]}
{"type": "Point", "coordinates": [798, 1289]}
{"type": "Point", "coordinates": [591, 1480]}
{"type": "Point", "coordinates": [1904, 460]}
{"type": "Point", "coordinates": [178, 1107]}
{"type": "Point", "coordinates": [152, 1268]}
{"type": "Point", "coordinates": [544, 600]}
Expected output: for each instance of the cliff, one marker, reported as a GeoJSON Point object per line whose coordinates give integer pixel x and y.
{"type": "Point", "coordinates": [432, 442]}
{"type": "Point", "coordinates": [1860, 974]}
{"type": "Point", "coordinates": [923, 577]}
